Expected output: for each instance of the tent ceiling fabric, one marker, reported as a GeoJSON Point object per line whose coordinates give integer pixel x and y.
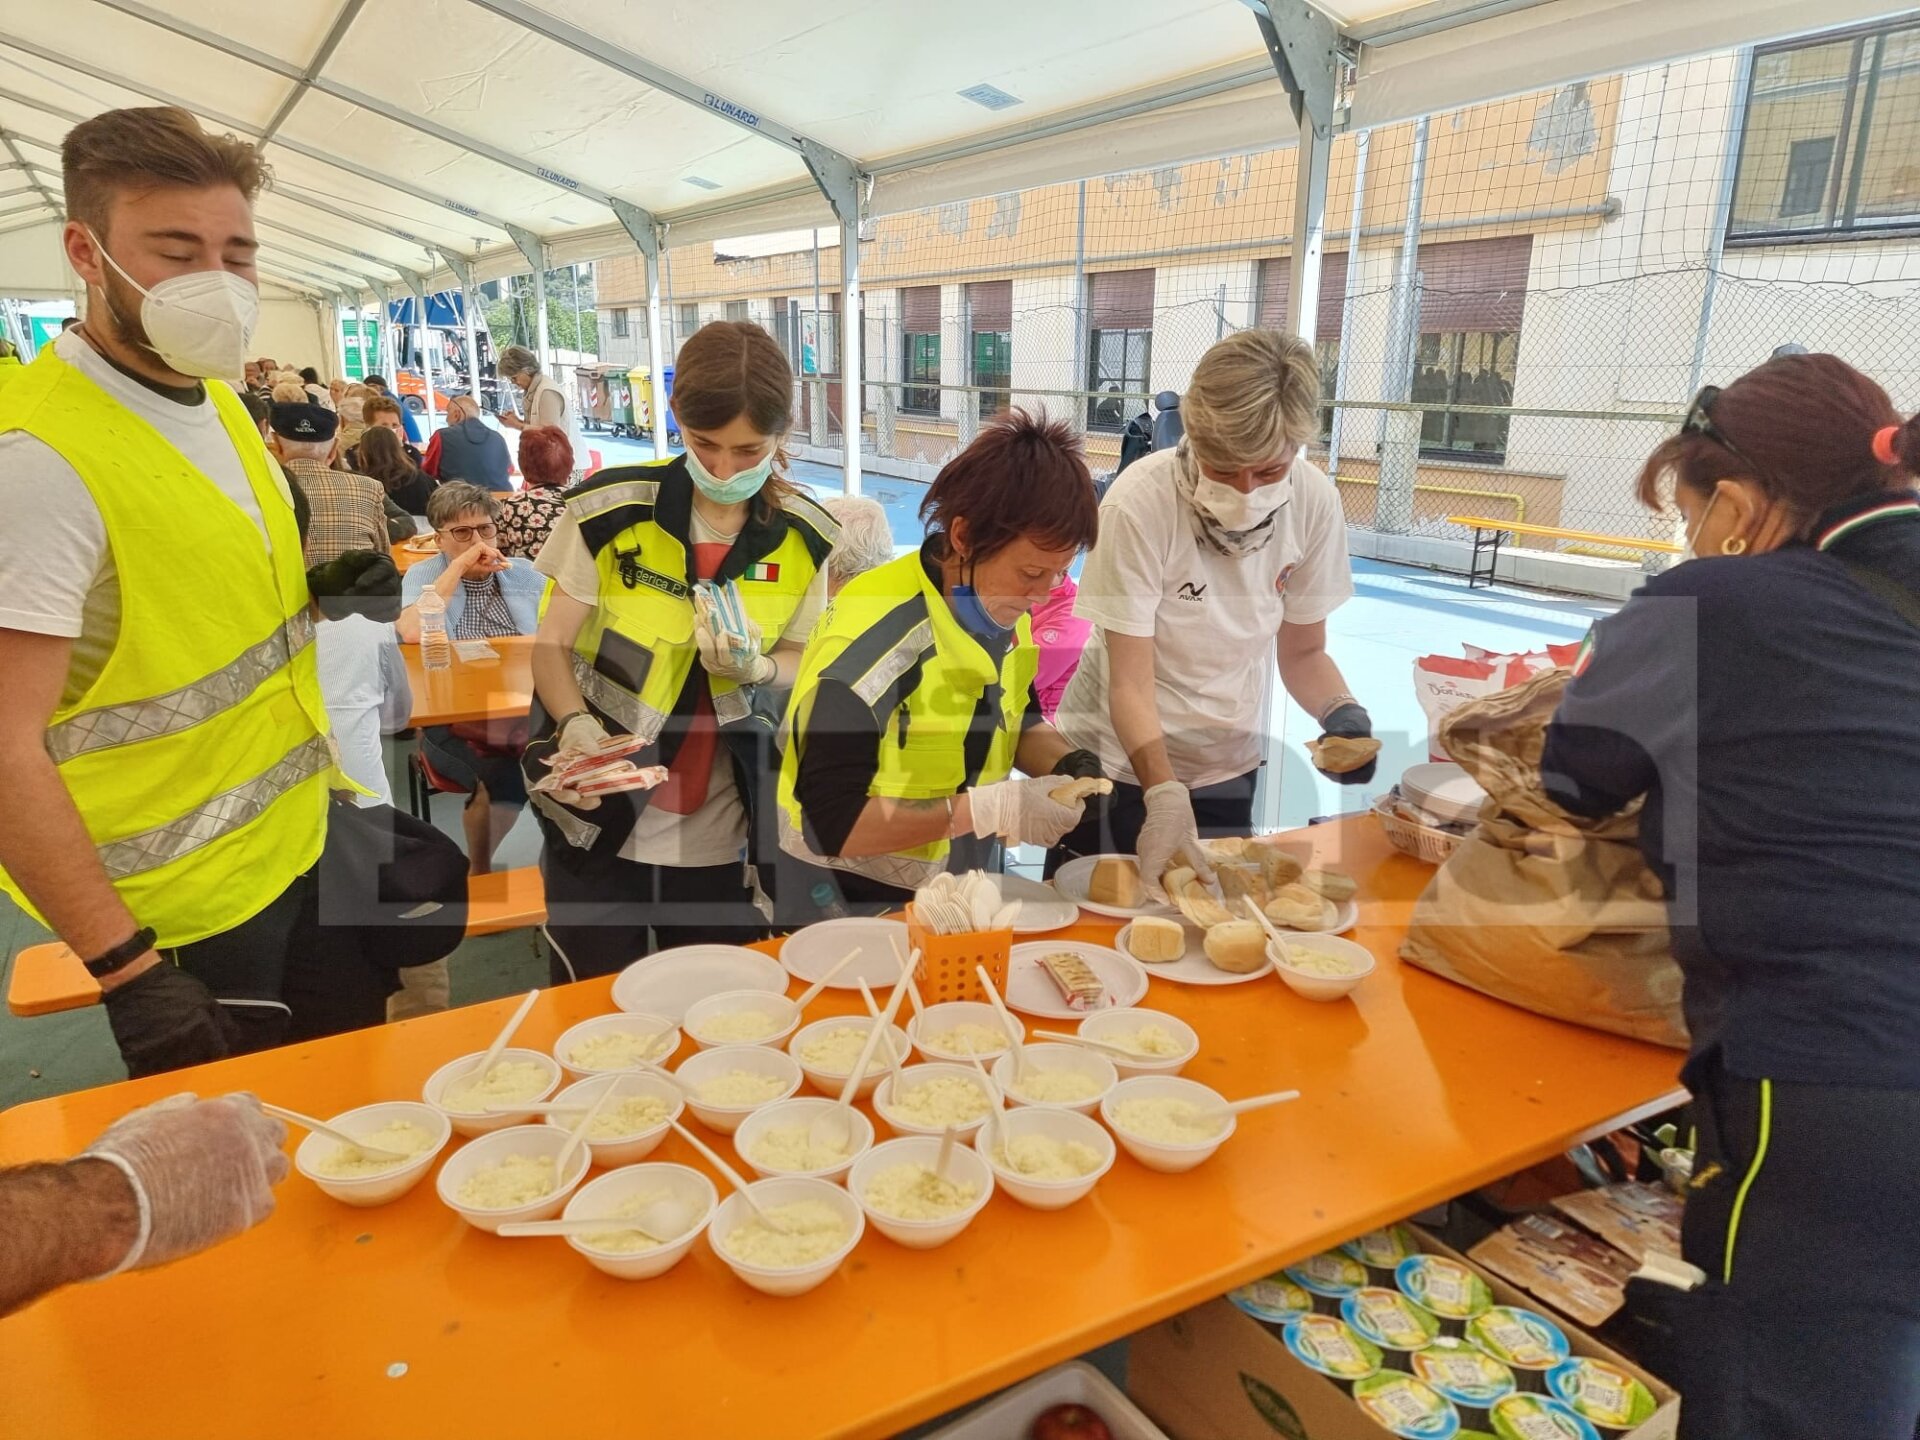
{"type": "Point", "coordinates": [433, 123]}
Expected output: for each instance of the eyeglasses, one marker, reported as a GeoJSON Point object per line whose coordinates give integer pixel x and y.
{"type": "Point", "coordinates": [467, 534]}
{"type": "Point", "coordinates": [1699, 421]}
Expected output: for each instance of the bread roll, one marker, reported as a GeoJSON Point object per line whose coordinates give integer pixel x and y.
{"type": "Point", "coordinates": [1176, 881]}
{"type": "Point", "coordinates": [1077, 790]}
{"type": "Point", "coordinates": [1299, 908]}
{"type": "Point", "coordinates": [1116, 881]}
{"type": "Point", "coordinates": [1239, 880]}
{"type": "Point", "coordinates": [1238, 946]}
{"type": "Point", "coordinates": [1341, 754]}
{"type": "Point", "coordinates": [1278, 867]}
{"type": "Point", "coordinates": [1232, 847]}
{"type": "Point", "coordinates": [1332, 885]}
{"type": "Point", "coordinates": [1197, 903]}
{"type": "Point", "coordinates": [1156, 941]}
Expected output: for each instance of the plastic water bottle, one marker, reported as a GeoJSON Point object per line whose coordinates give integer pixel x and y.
{"type": "Point", "coordinates": [828, 902]}
{"type": "Point", "coordinates": [435, 652]}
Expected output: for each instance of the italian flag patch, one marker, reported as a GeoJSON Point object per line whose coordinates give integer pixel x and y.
{"type": "Point", "coordinates": [1585, 656]}
{"type": "Point", "coordinates": [762, 571]}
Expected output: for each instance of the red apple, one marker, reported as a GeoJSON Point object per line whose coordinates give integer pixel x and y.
{"type": "Point", "coordinates": [1069, 1422]}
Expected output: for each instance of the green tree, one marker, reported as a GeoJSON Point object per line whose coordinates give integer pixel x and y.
{"type": "Point", "coordinates": [571, 321]}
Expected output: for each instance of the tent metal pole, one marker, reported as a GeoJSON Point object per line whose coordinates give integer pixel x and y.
{"type": "Point", "coordinates": [417, 284]}
{"type": "Point", "coordinates": [652, 246]}
{"type": "Point", "coordinates": [1361, 144]}
{"type": "Point", "coordinates": [852, 392]}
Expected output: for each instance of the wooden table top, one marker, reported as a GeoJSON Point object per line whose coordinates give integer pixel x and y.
{"type": "Point", "coordinates": [1414, 1090]}
{"type": "Point", "coordinates": [473, 689]}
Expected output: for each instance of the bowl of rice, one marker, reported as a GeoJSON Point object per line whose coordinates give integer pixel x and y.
{"type": "Point", "coordinates": [934, 1097]}
{"type": "Point", "coordinates": [818, 1224]}
{"type": "Point", "coordinates": [827, 1050]}
{"type": "Point", "coordinates": [778, 1140]}
{"type": "Point", "coordinates": [464, 1096]}
{"type": "Point", "coordinates": [1064, 1076]}
{"type": "Point", "coordinates": [624, 1253]}
{"type": "Point", "coordinates": [1046, 1158]}
{"type": "Point", "coordinates": [633, 1122]}
{"type": "Point", "coordinates": [510, 1175]}
{"type": "Point", "coordinates": [607, 1044]}
{"type": "Point", "coordinates": [352, 1177]}
{"type": "Point", "coordinates": [1157, 1043]}
{"type": "Point", "coordinates": [741, 1017]}
{"type": "Point", "coordinates": [956, 1029]}
{"type": "Point", "coordinates": [907, 1202]}
{"type": "Point", "coordinates": [1321, 967]}
{"type": "Point", "coordinates": [726, 1084]}
{"type": "Point", "coordinates": [1167, 1123]}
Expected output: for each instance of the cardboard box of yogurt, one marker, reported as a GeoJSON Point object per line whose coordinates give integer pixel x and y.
{"type": "Point", "coordinates": [1215, 1373]}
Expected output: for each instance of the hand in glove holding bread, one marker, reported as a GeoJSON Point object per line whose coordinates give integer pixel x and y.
{"type": "Point", "coordinates": [1346, 752]}
{"type": "Point", "coordinates": [1170, 838]}
{"type": "Point", "coordinates": [1025, 812]}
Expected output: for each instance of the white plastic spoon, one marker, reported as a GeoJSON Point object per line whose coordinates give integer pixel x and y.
{"type": "Point", "coordinates": [812, 992]}
{"type": "Point", "coordinates": [842, 1106]}
{"type": "Point", "coordinates": [1014, 1031]}
{"type": "Point", "coordinates": [733, 1178]}
{"type": "Point", "coordinates": [1100, 1045]}
{"type": "Point", "coordinates": [492, 1057]}
{"type": "Point", "coordinates": [893, 1048]}
{"type": "Point", "coordinates": [1253, 1102]}
{"type": "Point", "coordinates": [307, 1122]}
{"type": "Point", "coordinates": [579, 1132]}
{"type": "Point", "coordinates": [945, 1157]}
{"type": "Point", "coordinates": [1273, 931]}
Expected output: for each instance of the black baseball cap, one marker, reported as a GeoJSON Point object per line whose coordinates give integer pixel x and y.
{"type": "Point", "coordinates": [303, 422]}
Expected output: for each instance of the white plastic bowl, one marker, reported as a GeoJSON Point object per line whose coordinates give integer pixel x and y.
{"type": "Point", "coordinates": [1323, 987]}
{"type": "Point", "coordinates": [605, 1195]}
{"type": "Point", "coordinates": [829, 1082]}
{"type": "Point", "coordinates": [482, 1122]}
{"type": "Point", "coordinates": [619, 1024]}
{"type": "Point", "coordinates": [632, 1148]}
{"type": "Point", "coordinates": [1105, 1024]}
{"type": "Point", "coordinates": [966, 1167]}
{"type": "Point", "coordinates": [705, 1065]}
{"type": "Point", "coordinates": [388, 1184]}
{"type": "Point", "coordinates": [1055, 1056]}
{"type": "Point", "coordinates": [1158, 1154]}
{"type": "Point", "coordinates": [798, 1279]}
{"type": "Point", "coordinates": [801, 1110]}
{"type": "Point", "coordinates": [912, 1075]}
{"type": "Point", "coordinates": [1062, 1125]}
{"type": "Point", "coordinates": [491, 1149]}
{"type": "Point", "coordinates": [948, 1014]}
{"type": "Point", "coordinates": [785, 1014]}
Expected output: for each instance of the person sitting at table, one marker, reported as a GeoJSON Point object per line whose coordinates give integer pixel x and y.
{"type": "Point", "coordinates": [866, 538]}
{"type": "Point", "coordinates": [162, 1182]}
{"type": "Point", "coordinates": [1762, 704]}
{"type": "Point", "coordinates": [486, 595]}
{"type": "Point", "coordinates": [625, 649]}
{"type": "Point", "coordinates": [383, 412]}
{"type": "Point", "coordinates": [528, 515]}
{"type": "Point", "coordinates": [345, 509]}
{"type": "Point", "coordinates": [381, 454]}
{"type": "Point", "coordinates": [915, 700]}
{"type": "Point", "coordinates": [467, 448]}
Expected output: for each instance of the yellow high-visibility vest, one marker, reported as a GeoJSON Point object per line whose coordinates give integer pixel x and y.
{"type": "Point", "coordinates": [199, 757]}
{"type": "Point", "coordinates": [891, 637]}
{"type": "Point", "coordinates": [10, 367]}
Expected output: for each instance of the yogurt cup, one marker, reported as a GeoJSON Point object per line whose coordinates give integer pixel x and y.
{"type": "Point", "coordinates": [1330, 1347]}
{"type": "Point", "coordinates": [1404, 1406]}
{"type": "Point", "coordinates": [1381, 1251]}
{"type": "Point", "coordinates": [1391, 1321]}
{"type": "Point", "coordinates": [1466, 1375]}
{"type": "Point", "coordinates": [1276, 1299]}
{"type": "Point", "coordinates": [1528, 1344]}
{"type": "Point", "coordinates": [1329, 1277]}
{"type": "Point", "coordinates": [1454, 1293]}
{"type": "Point", "coordinates": [1604, 1395]}
{"type": "Point", "coordinates": [1537, 1417]}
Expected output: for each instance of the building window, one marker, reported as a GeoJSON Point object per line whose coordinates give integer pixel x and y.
{"type": "Point", "coordinates": [1465, 368]}
{"type": "Point", "coordinates": [689, 321]}
{"type": "Point", "coordinates": [1119, 346]}
{"type": "Point", "coordinates": [1831, 145]}
{"type": "Point", "coordinates": [736, 310]}
{"type": "Point", "coordinates": [990, 358]}
{"type": "Point", "coordinates": [620, 324]}
{"type": "Point", "coordinates": [1270, 313]}
{"type": "Point", "coordinates": [920, 350]}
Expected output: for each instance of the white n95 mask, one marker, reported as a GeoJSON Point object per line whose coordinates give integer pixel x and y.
{"type": "Point", "coordinates": [1239, 510]}
{"type": "Point", "coordinates": [200, 324]}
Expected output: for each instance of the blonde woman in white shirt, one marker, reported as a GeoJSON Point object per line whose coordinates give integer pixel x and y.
{"type": "Point", "coordinates": [1212, 557]}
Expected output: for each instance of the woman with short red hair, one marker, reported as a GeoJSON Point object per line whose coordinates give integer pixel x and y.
{"type": "Point", "coordinates": [915, 700]}
{"type": "Point", "coordinates": [527, 516]}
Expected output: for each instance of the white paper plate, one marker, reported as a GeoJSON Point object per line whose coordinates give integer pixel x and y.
{"type": "Point", "coordinates": [1031, 991]}
{"type": "Point", "coordinates": [1071, 881]}
{"type": "Point", "coordinates": [812, 951]}
{"type": "Point", "coordinates": [1444, 789]}
{"type": "Point", "coordinates": [1193, 967]}
{"type": "Point", "coordinates": [667, 983]}
{"type": "Point", "coordinates": [1042, 907]}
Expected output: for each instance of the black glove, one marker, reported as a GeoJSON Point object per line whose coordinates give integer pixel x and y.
{"type": "Point", "coordinates": [164, 1019]}
{"type": "Point", "coordinates": [1350, 721]}
{"type": "Point", "coordinates": [1079, 765]}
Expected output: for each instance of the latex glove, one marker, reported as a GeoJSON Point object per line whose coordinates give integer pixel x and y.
{"type": "Point", "coordinates": [202, 1171]}
{"type": "Point", "coordinates": [164, 1018]}
{"type": "Point", "coordinates": [582, 732]}
{"type": "Point", "coordinates": [1022, 811]}
{"type": "Point", "coordinates": [1170, 837]}
{"type": "Point", "coordinates": [729, 656]}
{"type": "Point", "coordinates": [1352, 722]}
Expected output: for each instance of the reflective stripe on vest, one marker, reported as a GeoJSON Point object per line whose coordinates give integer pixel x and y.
{"type": "Point", "coordinates": [883, 627]}
{"type": "Point", "coordinates": [198, 756]}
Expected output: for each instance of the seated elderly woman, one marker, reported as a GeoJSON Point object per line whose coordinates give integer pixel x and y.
{"type": "Point", "coordinates": [527, 516]}
{"type": "Point", "coordinates": [486, 595]}
{"type": "Point", "coordinates": [866, 538]}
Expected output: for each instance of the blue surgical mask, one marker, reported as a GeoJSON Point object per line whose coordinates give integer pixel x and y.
{"type": "Point", "coordinates": [741, 485]}
{"type": "Point", "coordinates": [974, 617]}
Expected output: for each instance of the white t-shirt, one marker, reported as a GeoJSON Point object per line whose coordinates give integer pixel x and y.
{"type": "Point", "coordinates": [1213, 618]}
{"type": "Point", "coordinates": [364, 683]}
{"type": "Point", "coordinates": [57, 575]}
{"type": "Point", "coordinates": [716, 833]}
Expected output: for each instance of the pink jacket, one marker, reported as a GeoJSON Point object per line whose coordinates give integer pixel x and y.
{"type": "Point", "coordinates": [1061, 637]}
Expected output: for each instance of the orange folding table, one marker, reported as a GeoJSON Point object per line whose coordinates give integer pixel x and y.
{"type": "Point", "coordinates": [495, 689]}
{"type": "Point", "coordinates": [401, 1321]}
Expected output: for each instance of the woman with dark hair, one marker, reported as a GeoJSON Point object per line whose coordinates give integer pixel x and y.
{"type": "Point", "coordinates": [631, 645]}
{"type": "Point", "coordinates": [383, 455]}
{"type": "Point", "coordinates": [915, 702]}
{"type": "Point", "coordinates": [528, 515]}
{"type": "Point", "coordinates": [1762, 704]}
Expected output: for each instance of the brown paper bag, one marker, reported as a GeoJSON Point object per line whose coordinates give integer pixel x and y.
{"type": "Point", "coordinates": [1539, 907]}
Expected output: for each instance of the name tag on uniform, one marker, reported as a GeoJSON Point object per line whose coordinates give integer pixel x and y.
{"type": "Point", "coordinates": [634, 574]}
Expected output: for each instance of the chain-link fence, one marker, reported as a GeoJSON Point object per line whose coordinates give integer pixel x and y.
{"type": "Point", "coordinates": [1517, 299]}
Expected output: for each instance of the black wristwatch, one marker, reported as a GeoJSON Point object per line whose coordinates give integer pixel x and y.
{"type": "Point", "coordinates": [123, 954]}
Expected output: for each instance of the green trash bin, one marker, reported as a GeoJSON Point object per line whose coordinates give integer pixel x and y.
{"type": "Point", "coordinates": [620, 404]}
